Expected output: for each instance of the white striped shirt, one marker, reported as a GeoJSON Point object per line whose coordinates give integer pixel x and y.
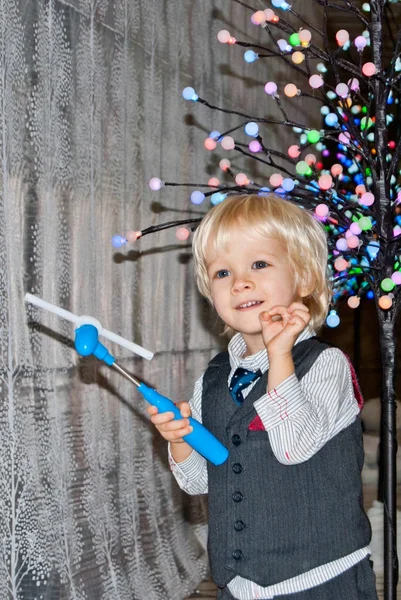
{"type": "Point", "coordinates": [299, 421]}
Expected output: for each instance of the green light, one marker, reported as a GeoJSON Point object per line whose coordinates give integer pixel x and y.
{"type": "Point", "coordinates": [294, 40]}
{"type": "Point", "coordinates": [366, 123]}
{"type": "Point", "coordinates": [364, 109]}
{"type": "Point", "coordinates": [365, 223]}
{"type": "Point", "coordinates": [313, 136]}
{"type": "Point", "coordinates": [368, 171]}
{"type": "Point", "coordinates": [387, 284]}
{"type": "Point", "coordinates": [302, 167]}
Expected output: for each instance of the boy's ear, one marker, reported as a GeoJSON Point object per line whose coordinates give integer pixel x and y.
{"type": "Point", "coordinates": [305, 289]}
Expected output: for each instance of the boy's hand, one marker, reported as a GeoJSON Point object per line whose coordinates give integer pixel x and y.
{"type": "Point", "coordinates": [172, 429]}
{"type": "Point", "coordinates": [281, 325]}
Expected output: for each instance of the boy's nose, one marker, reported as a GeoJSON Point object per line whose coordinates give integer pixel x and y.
{"type": "Point", "coordinates": [240, 285]}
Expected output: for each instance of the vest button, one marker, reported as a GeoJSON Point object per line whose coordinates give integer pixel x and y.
{"type": "Point", "coordinates": [237, 468]}
{"type": "Point", "coordinates": [239, 525]}
{"type": "Point", "coordinates": [237, 496]}
{"type": "Point", "coordinates": [236, 440]}
{"type": "Point", "coordinates": [237, 554]}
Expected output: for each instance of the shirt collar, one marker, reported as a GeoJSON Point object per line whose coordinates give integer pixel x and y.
{"type": "Point", "coordinates": [260, 360]}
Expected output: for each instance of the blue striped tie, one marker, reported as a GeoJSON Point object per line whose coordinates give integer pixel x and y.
{"type": "Point", "coordinates": [240, 380]}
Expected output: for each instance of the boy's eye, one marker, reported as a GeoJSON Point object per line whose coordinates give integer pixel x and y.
{"type": "Point", "coordinates": [222, 273]}
{"type": "Point", "coordinates": [260, 264]}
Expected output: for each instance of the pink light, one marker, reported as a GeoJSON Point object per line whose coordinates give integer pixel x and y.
{"type": "Point", "coordinates": [155, 184]}
{"type": "Point", "coordinates": [360, 189]}
{"type": "Point", "coordinates": [294, 151]}
{"type": "Point", "coordinates": [342, 37]}
{"type": "Point", "coordinates": [366, 199]}
{"type": "Point", "coordinates": [224, 164]}
{"type": "Point", "coordinates": [336, 170]}
{"type": "Point", "coordinates": [271, 88]}
{"type": "Point", "coordinates": [342, 90]}
{"type": "Point", "coordinates": [360, 42]}
{"type": "Point", "coordinates": [325, 182]}
{"type": "Point", "coordinates": [270, 15]}
{"type": "Point", "coordinates": [182, 234]}
{"type": "Point", "coordinates": [322, 210]}
{"type": "Point", "coordinates": [369, 69]}
{"type": "Point", "coordinates": [258, 17]}
{"type": "Point", "coordinates": [214, 182]}
{"type": "Point", "coordinates": [396, 277]}
{"type": "Point", "coordinates": [305, 35]}
{"type": "Point", "coordinates": [353, 84]}
{"type": "Point", "coordinates": [241, 179]}
{"type": "Point", "coordinates": [353, 241]}
{"type": "Point", "coordinates": [228, 143]}
{"type": "Point", "coordinates": [210, 143]}
{"type": "Point", "coordinates": [354, 227]}
{"type": "Point", "coordinates": [310, 159]}
{"type": "Point", "coordinates": [223, 36]}
{"type": "Point", "coordinates": [353, 301]}
{"type": "Point", "coordinates": [291, 90]}
{"type": "Point", "coordinates": [344, 138]}
{"type": "Point", "coordinates": [316, 81]}
{"type": "Point", "coordinates": [340, 264]}
{"type": "Point", "coordinates": [255, 146]}
{"type": "Point", "coordinates": [276, 179]}
{"type": "Point", "coordinates": [132, 236]}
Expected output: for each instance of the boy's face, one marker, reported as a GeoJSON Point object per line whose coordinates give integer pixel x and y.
{"type": "Point", "coordinates": [247, 278]}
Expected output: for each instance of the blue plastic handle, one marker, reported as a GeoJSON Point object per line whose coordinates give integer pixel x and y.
{"type": "Point", "coordinates": [200, 439]}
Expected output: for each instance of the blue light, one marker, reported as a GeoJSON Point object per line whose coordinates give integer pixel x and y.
{"type": "Point", "coordinates": [288, 184]}
{"type": "Point", "coordinates": [197, 197]}
{"type": "Point", "coordinates": [217, 197]}
{"type": "Point", "coordinates": [189, 93]}
{"type": "Point", "coordinates": [370, 295]}
{"type": "Point", "coordinates": [333, 320]}
{"type": "Point", "coordinates": [331, 120]}
{"type": "Point", "coordinates": [215, 135]}
{"type": "Point", "coordinates": [252, 129]}
{"type": "Point", "coordinates": [250, 56]}
{"type": "Point", "coordinates": [118, 241]}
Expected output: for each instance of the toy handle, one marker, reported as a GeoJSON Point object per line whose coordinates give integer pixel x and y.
{"type": "Point", "coordinates": [200, 439]}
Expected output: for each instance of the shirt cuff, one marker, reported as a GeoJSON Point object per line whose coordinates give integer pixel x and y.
{"type": "Point", "coordinates": [188, 470]}
{"type": "Point", "coordinates": [279, 404]}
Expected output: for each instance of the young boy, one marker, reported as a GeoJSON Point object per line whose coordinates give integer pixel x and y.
{"type": "Point", "coordinates": [285, 510]}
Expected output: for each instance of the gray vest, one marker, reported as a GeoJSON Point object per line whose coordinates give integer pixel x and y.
{"type": "Point", "coordinates": [269, 522]}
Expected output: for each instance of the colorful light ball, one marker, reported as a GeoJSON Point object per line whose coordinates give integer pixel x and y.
{"type": "Point", "coordinates": [182, 234]}
{"type": "Point", "coordinates": [228, 143]}
{"type": "Point", "coordinates": [340, 264]}
{"type": "Point", "coordinates": [132, 236]}
{"type": "Point", "coordinates": [360, 42]}
{"type": "Point", "coordinates": [396, 277]}
{"type": "Point", "coordinates": [276, 179]}
{"type": "Point", "coordinates": [316, 81]}
{"type": "Point", "coordinates": [291, 90]}
{"type": "Point", "coordinates": [241, 179]}
{"type": "Point", "coordinates": [369, 69]}
{"type": "Point", "coordinates": [366, 199]}
{"type": "Point", "coordinates": [217, 197]}
{"type": "Point", "coordinates": [355, 229]}
{"type": "Point", "coordinates": [387, 285]}
{"type": "Point", "coordinates": [118, 240]}
{"type": "Point", "coordinates": [189, 93]}
{"type": "Point", "coordinates": [322, 210]}
{"type": "Point", "coordinates": [353, 84]}
{"type": "Point", "coordinates": [252, 129]}
{"type": "Point", "coordinates": [258, 17]}
{"type": "Point", "coordinates": [331, 119]}
{"type": "Point", "coordinates": [210, 143]}
{"type": "Point", "coordinates": [297, 57]}
{"type": "Point", "coordinates": [255, 146]}
{"type": "Point", "coordinates": [197, 197]}
{"type": "Point", "coordinates": [333, 320]}
{"type": "Point", "coordinates": [288, 184]}
{"type": "Point", "coordinates": [313, 136]}
{"type": "Point", "coordinates": [342, 90]}
{"type": "Point", "coordinates": [365, 223]}
{"type": "Point", "coordinates": [360, 189]}
{"type": "Point", "coordinates": [305, 36]}
{"type": "Point", "coordinates": [310, 159]}
{"type": "Point", "coordinates": [214, 182]}
{"type": "Point", "coordinates": [385, 302]}
{"type": "Point", "coordinates": [270, 15]}
{"type": "Point", "coordinates": [294, 40]}
{"type": "Point", "coordinates": [271, 88]}
{"type": "Point", "coordinates": [155, 184]}
{"type": "Point", "coordinates": [344, 138]}
{"type": "Point", "coordinates": [224, 164]}
{"type": "Point", "coordinates": [250, 56]}
{"type": "Point", "coordinates": [325, 182]}
{"type": "Point", "coordinates": [342, 37]}
{"type": "Point", "coordinates": [336, 170]}
{"type": "Point", "coordinates": [282, 44]}
{"type": "Point", "coordinates": [353, 301]}
{"type": "Point", "coordinates": [341, 244]}
{"type": "Point", "coordinates": [353, 241]}
{"type": "Point", "coordinates": [294, 151]}
{"type": "Point", "coordinates": [223, 36]}
{"type": "Point", "coordinates": [302, 167]}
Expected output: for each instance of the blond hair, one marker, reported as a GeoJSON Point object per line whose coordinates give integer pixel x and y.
{"type": "Point", "coordinates": [270, 217]}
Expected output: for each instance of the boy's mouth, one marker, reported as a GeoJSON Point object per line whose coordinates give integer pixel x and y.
{"type": "Point", "coordinates": [249, 304]}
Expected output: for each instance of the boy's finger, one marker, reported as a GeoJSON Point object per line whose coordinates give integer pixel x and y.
{"type": "Point", "coordinates": [164, 417]}
{"type": "Point", "coordinates": [297, 306]}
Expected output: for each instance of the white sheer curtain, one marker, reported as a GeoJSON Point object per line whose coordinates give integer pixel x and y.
{"type": "Point", "coordinates": [91, 109]}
